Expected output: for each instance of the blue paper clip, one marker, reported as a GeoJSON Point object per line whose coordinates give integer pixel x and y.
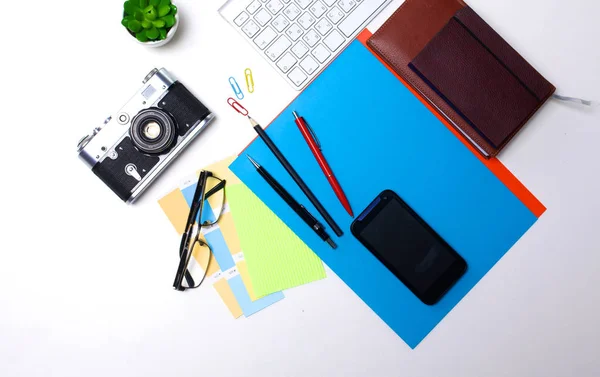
{"type": "Point", "coordinates": [236, 88]}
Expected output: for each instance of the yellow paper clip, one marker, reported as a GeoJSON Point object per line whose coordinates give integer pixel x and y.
{"type": "Point", "coordinates": [249, 80]}
{"type": "Point", "coordinates": [236, 88]}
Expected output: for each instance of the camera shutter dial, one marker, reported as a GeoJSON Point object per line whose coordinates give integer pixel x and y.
{"type": "Point", "coordinates": [153, 131]}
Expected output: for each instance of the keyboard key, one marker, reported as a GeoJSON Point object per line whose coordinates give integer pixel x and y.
{"type": "Point", "coordinates": [239, 20]}
{"type": "Point", "coordinates": [323, 26]}
{"type": "Point", "coordinates": [321, 53]}
{"type": "Point", "coordinates": [250, 29]}
{"type": "Point", "coordinates": [335, 15]}
{"type": "Point", "coordinates": [318, 9]}
{"type": "Point", "coordinates": [300, 37]}
{"type": "Point", "coordinates": [311, 37]}
{"type": "Point", "coordinates": [265, 37]}
{"type": "Point", "coordinates": [347, 5]}
{"type": "Point", "coordinates": [278, 47]}
{"type": "Point", "coordinates": [334, 40]}
{"type": "Point", "coordinates": [299, 49]}
{"type": "Point", "coordinates": [304, 3]}
{"type": "Point", "coordinates": [297, 76]}
{"type": "Point", "coordinates": [286, 62]}
{"type": "Point", "coordinates": [275, 6]}
{"type": "Point", "coordinates": [359, 15]}
{"type": "Point", "coordinates": [292, 12]}
{"type": "Point", "coordinates": [280, 23]}
{"type": "Point", "coordinates": [309, 65]}
{"type": "Point", "coordinates": [262, 17]}
{"type": "Point", "coordinates": [253, 7]}
{"type": "Point", "coordinates": [294, 32]}
{"type": "Point", "coordinates": [306, 20]}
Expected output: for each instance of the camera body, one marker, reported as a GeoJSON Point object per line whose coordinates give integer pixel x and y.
{"type": "Point", "coordinates": [133, 147]}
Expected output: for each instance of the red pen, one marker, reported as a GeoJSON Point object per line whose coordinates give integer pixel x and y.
{"type": "Point", "coordinates": [315, 147]}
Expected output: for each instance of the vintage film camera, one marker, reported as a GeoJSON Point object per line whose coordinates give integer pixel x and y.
{"type": "Point", "coordinates": [145, 136]}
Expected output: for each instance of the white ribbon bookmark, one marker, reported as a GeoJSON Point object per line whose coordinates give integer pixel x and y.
{"type": "Point", "coordinates": [579, 101]}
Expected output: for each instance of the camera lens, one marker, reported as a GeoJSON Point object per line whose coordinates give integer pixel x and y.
{"type": "Point", "coordinates": [153, 131]}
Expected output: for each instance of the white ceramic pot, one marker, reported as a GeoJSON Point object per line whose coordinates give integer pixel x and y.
{"type": "Point", "coordinates": [163, 42]}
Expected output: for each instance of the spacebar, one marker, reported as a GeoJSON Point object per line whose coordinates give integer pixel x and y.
{"type": "Point", "coordinates": [359, 16]}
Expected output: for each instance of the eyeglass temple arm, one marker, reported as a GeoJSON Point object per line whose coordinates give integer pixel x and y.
{"type": "Point", "coordinates": [188, 277]}
{"type": "Point", "coordinates": [182, 265]}
{"type": "Point", "coordinates": [215, 189]}
{"type": "Point", "coordinates": [200, 187]}
{"type": "Point", "coordinates": [185, 257]}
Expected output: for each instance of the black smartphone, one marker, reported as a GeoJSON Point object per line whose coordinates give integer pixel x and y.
{"type": "Point", "coordinates": [408, 247]}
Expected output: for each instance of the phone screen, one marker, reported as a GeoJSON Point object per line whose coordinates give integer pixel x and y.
{"type": "Point", "coordinates": [409, 247]}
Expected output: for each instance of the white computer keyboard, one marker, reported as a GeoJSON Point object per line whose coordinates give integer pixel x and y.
{"type": "Point", "coordinates": [299, 38]}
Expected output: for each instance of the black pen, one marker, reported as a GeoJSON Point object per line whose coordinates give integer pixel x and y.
{"type": "Point", "coordinates": [299, 181]}
{"type": "Point", "coordinates": [309, 219]}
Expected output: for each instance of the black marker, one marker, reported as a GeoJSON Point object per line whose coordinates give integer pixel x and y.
{"type": "Point", "coordinates": [297, 207]}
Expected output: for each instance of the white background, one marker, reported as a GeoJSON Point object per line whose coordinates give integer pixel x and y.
{"type": "Point", "coordinates": [85, 281]}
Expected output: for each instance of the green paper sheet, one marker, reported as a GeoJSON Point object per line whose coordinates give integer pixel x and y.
{"type": "Point", "coordinates": [276, 258]}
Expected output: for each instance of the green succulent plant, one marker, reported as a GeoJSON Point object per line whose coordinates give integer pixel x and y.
{"type": "Point", "coordinates": [149, 20]}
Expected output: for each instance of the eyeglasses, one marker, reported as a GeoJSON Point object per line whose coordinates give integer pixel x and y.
{"type": "Point", "coordinates": [200, 218]}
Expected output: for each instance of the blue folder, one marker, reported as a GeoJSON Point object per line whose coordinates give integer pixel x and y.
{"type": "Point", "coordinates": [376, 135]}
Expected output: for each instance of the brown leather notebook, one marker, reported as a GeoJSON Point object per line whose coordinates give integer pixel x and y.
{"type": "Point", "coordinates": [457, 62]}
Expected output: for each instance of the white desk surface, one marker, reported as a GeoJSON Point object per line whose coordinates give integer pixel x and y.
{"type": "Point", "coordinates": [85, 281]}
